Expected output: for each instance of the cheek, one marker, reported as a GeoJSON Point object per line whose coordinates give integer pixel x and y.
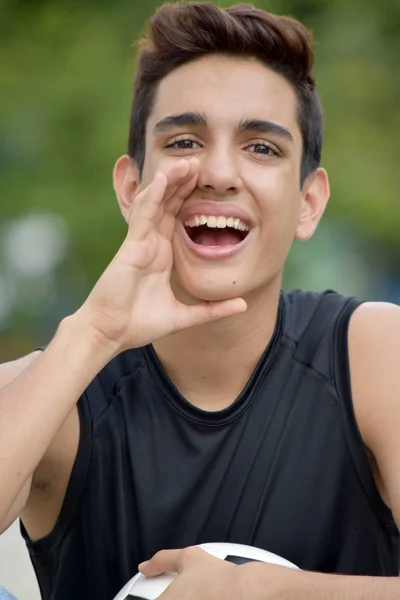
{"type": "Point", "coordinates": [156, 159]}
{"type": "Point", "coordinates": [152, 164]}
{"type": "Point", "coordinates": [278, 205]}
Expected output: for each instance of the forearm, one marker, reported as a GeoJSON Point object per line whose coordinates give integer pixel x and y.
{"type": "Point", "coordinates": [317, 586]}
{"type": "Point", "coordinates": [301, 585]}
{"type": "Point", "coordinates": [34, 406]}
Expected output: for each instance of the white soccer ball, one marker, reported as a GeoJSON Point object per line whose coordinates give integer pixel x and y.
{"type": "Point", "coordinates": [149, 588]}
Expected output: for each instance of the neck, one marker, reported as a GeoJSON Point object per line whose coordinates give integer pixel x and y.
{"type": "Point", "coordinates": [211, 364]}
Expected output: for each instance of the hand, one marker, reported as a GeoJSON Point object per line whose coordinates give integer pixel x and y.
{"type": "Point", "coordinates": [133, 304]}
{"type": "Point", "coordinates": [204, 577]}
{"type": "Point", "coordinates": [200, 575]}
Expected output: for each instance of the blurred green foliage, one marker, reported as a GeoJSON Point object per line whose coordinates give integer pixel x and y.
{"type": "Point", "coordinates": [66, 71]}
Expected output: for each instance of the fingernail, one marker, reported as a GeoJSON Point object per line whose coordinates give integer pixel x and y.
{"type": "Point", "coordinates": [143, 564]}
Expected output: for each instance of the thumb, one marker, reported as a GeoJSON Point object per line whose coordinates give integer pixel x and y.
{"type": "Point", "coordinates": [206, 312]}
{"type": "Point", "coordinates": [164, 561]}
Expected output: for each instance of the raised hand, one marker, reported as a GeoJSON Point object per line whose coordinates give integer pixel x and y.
{"type": "Point", "coordinates": [133, 304]}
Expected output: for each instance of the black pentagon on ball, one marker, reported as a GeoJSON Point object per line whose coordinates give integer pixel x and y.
{"type": "Point", "coordinates": [239, 560]}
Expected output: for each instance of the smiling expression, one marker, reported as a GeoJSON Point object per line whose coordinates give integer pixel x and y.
{"type": "Point", "coordinates": [239, 118]}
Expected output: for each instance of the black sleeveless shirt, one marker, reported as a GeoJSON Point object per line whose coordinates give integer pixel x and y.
{"type": "Point", "coordinates": [283, 468]}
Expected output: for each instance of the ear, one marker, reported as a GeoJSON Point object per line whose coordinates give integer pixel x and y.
{"type": "Point", "coordinates": [126, 179]}
{"type": "Point", "coordinates": [315, 196]}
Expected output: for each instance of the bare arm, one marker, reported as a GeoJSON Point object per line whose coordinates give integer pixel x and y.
{"type": "Point", "coordinates": [374, 345]}
{"type": "Point", "coordinates": [35, 404]}
{"type": "Point", "coordinates": [131, 305]}
{"type": "Point", "coordinates": [319, 586]}
{"type": "Point", "coordinates": [8, 372]}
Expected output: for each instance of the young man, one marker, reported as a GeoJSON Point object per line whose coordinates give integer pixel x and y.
{"type": "Point", "coordinates": [189, 399]}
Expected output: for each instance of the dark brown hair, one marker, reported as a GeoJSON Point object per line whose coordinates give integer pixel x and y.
{"type": "Point", "coordinates": [185, 31]}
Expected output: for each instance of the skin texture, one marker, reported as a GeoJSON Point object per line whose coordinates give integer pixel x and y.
{"type": "Point", "coordinates": [167, 295]}
{"type": "Point", "coordinates": [263, 180]}
{"type": "Point", "coordinates": [267, 187]}
{"type": "Point", "coordinates": [232, 171]}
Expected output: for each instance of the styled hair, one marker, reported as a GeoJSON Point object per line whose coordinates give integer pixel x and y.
{"type": "Point", "coordinates": [181, 32]}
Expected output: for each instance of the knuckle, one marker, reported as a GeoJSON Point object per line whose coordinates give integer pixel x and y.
{"type": "Point", "coordinates": [190, 552]}
{"type": "Point", "coordinates": [210, 310]}
{"type": "Point", "coordinates": [158, 556]}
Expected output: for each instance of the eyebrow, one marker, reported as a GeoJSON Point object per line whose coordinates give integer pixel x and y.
{"type": "Point", "coordinates": [199, 119]}
{"type": "Point", "coordinates": [261, 126]}
{"type": "Point", "coordinates": [181, 120]}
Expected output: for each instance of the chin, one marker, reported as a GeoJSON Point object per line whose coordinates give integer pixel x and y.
{"type": "Point", "coordinates": [189, 289]}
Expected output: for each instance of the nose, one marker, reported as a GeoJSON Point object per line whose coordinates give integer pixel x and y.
{"type": "Point", "coordinates": [219, 172]}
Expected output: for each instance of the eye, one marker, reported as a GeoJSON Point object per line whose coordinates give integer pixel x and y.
{"type": "Point", "coordinates": [183, 144]}
{"type": "Point", "coordinates": [264, 149]}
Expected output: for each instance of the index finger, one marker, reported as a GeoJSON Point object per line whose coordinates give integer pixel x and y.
{"type": "Point", "coordinates": [145, 207]}
{"type": "Point", "coordinates": [171, 561]}
{"type": "Point", "coordinates": [165, 561]}
{"type": "Point", "coordinates": [175, 183]}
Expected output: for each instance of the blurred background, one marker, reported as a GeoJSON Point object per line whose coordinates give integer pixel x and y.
{"type": "Point", "coordinates": [66, 72]}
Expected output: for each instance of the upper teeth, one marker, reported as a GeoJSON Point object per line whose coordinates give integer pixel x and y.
{"type": "Point", "coordinates": [219, 222]}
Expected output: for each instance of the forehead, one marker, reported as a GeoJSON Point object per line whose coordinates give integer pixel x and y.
{"type": "Point", "coordinates": [227, 90]}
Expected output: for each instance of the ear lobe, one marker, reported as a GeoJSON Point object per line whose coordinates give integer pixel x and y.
{"type": "Point", "coordinates": [126, 180]}
{"type": "Point", "coordinates": [315, 196]}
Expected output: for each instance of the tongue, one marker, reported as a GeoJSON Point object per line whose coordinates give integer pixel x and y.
{"type": "Point", "coordinates": [217, 237]}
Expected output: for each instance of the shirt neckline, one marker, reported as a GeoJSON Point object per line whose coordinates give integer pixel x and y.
{"type": "Point", "coordinates": [171, 395]}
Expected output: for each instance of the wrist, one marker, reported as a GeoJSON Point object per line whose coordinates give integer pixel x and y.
{"type": "Point", "coordinates": [91, 346]}
{"type": "Point", "coordinates": [269, 581]}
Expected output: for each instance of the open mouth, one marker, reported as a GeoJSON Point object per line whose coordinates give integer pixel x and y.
{"type": "Point", "coordinates": [215, 232]}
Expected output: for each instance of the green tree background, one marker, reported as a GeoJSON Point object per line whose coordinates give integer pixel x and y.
{"type": "Point", "coordinates": [66, 71]}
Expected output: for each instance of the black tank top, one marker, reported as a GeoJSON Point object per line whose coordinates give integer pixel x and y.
{"type": "Point", "coordinates": [283, 468]}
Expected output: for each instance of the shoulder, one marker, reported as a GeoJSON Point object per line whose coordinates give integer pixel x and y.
{"type": "Point", "coordinates": [374, 335]}
{"type": "Point", "coordinates": [374, 347]}
{"type": "Point", "coordinates": [375, 321]}
{"type": "Point", "coordinates": [374, 353]}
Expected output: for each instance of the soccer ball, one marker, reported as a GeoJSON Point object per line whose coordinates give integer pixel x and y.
{"type": "Point", "coordinates": [146, 588]}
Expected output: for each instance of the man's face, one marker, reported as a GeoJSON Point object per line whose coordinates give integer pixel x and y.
{"type": "Point", "coordinates": [239, 119]}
